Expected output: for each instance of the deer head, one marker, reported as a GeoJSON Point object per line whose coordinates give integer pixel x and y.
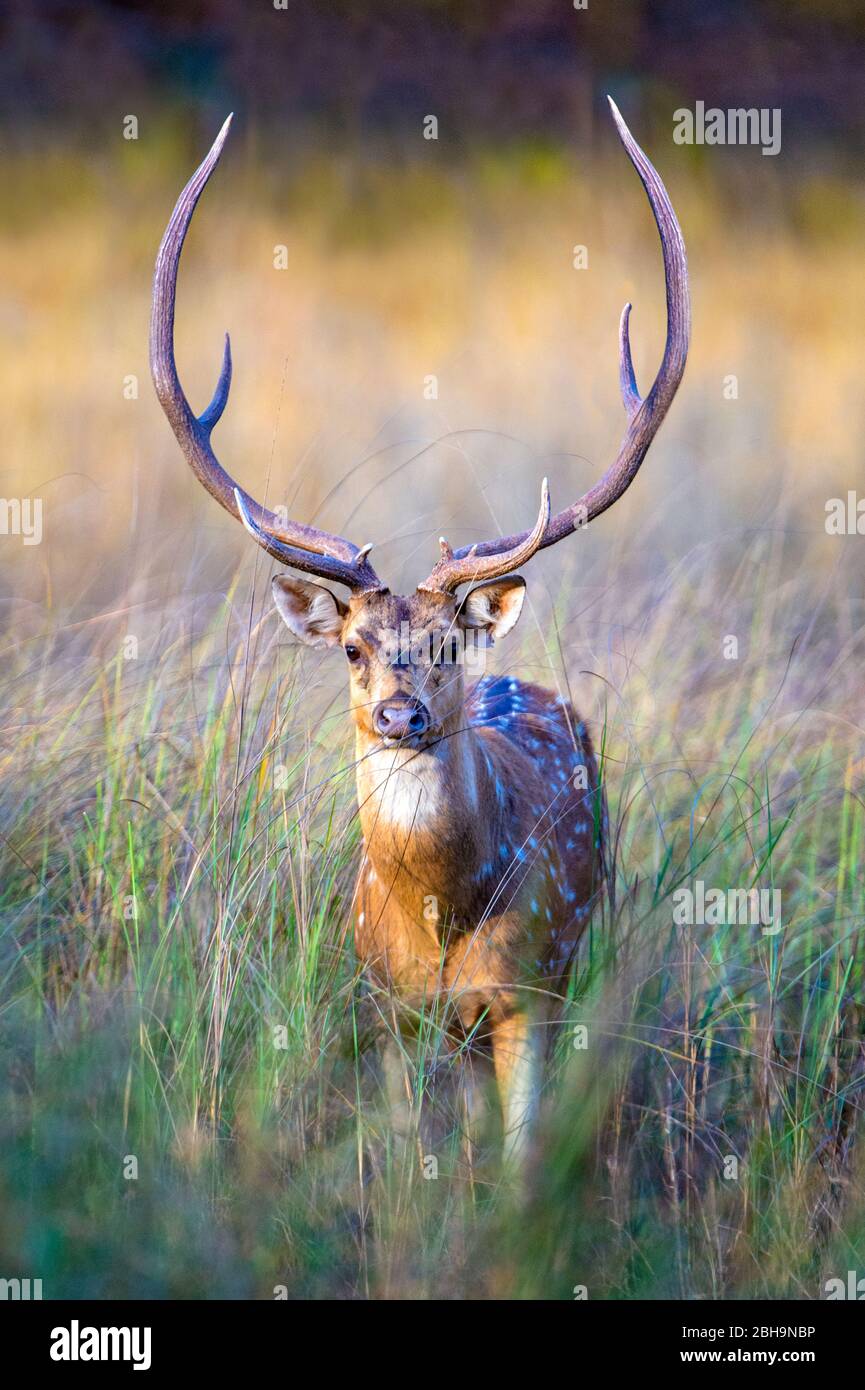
{"type": "Point", "coordinates": [406, 657]}
{"type": "Point", "coordinates": [403, 652]}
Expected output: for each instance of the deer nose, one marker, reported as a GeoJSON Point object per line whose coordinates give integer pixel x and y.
{"type": "Point", "coordinates": [400, 718]}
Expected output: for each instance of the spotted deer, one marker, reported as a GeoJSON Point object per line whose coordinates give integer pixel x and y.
{"type": "Point", "coordinates": [480, 804]}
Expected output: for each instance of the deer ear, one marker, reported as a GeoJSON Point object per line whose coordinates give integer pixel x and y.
{"type": "Point", "coordinates": [312, 613]}
{"type": "Point", "coordinates": [494, 606]}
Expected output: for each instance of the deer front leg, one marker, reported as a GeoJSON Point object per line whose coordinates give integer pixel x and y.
{"type": "Point", "coordinates": [397, 1090]}
{"type": "Point", "coordinates": [407, 1119]}
{"type": "Point", "coordinates": [517, 1059]}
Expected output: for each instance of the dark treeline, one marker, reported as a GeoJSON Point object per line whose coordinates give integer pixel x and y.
{"type": "Point", "coordinates": [487, 68]}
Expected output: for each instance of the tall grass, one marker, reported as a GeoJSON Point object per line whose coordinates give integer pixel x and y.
{"type": "Point", "coordinates": [192, 1104]}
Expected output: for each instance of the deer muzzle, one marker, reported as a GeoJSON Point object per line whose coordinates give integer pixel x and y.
{"type": "Point", "coordinates": [401, 720]}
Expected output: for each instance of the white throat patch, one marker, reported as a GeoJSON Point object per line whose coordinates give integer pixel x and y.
{"type": "Point", "coordinates": [402, 787]}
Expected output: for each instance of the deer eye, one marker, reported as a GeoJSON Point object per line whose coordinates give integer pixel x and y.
{"type": "Point", "coordinates": [353, 653]}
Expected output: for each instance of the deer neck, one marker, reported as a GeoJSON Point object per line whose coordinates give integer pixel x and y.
{"type": "Point", "coordinates": [425, 824]}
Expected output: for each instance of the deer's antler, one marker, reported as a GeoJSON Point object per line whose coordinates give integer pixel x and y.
{"type": "Point", "coordinates": [489, 559]}
{"type": "Point", "coordinates": [303, 547]}
{"type": "Point", "coordinates": [464, 567]}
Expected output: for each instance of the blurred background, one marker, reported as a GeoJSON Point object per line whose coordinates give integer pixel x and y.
{"type": "Point", "coordinates": [408, 259]}
{"type": "Point", "coordinates": [414, 349]}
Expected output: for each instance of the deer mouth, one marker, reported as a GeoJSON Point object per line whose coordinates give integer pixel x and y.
{"type": "Point", "coordinates": [422, 740]}
{"type": "Point", "coordinates": [413, 743]}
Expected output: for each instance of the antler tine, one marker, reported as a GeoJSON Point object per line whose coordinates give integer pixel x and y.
{"type": "Point", "coordinates": [631, 398]}
{"type": "Point", "coordinates": [644, 415]}
{"type": "Point", "coordinates": [303, 547]}
{"type": "Point", "coordinates": [463, 568]}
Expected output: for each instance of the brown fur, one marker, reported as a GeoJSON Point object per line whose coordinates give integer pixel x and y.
{"type": "Point", "coordinates": [481, 857]}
